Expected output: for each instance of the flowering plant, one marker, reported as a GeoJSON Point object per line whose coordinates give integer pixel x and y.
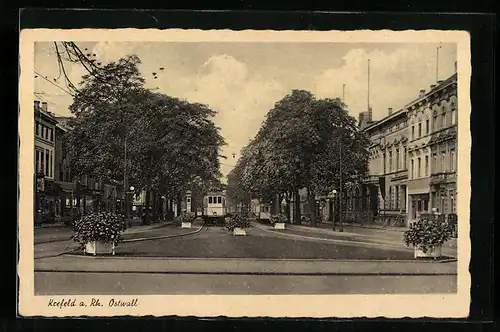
{"type": "Point", "coordinates": [278, 218]}
{"type": "Point", "coordinates": [237, 221]}
{"type": "Point", "coordinates": [102, 226]}
{"type": "Point", "coordinates": [428, 232]}
{"type": "Point", "coordinates": [186, 217]}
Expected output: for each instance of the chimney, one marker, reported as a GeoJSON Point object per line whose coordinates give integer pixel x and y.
{"type": "Point", "coordinates": [390, 110]}
{"type": "Point", "coordinates": [422, 92]}
{"type": "Point", "coordinates": [44, 106]}
{"type": "Point", "coordinates": [37, 105]}
{"type": "Point", "coordinates": [433, 86]}
{"type": "Point", "coordinates": [440, 81]}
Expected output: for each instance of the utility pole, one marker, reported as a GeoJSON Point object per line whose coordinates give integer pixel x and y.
{"type": "Point", "coordinates": [437, 62]}
{"type": "Point", "coordinates": [368, 90]}
{"type": "Point", "coordinates": [125, 203]}
{"type": "Point", "coordinates": [341, 227]}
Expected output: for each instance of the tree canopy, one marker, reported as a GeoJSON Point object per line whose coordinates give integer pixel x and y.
{"type": "Point", "coordinates": [169, 144]}
{"type": "Point", "coordinates": [298, 146]}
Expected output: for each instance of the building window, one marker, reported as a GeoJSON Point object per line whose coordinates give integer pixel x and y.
{"type": "Point", "coordinates": [397, 159]}
{"type": "Point", "coordinates": [210, 200]}
{"type": "Point", "coordinates": [426, 165]}
{"type": "Point", "coordinates": [412, 168]}
{"type": "Point", "coordinates": [434, 163]}
{"type": "Point", "coordinates": [419, 166]}
{"type": "Point", "coordinates": [390, 161]}
{"type": "Point", "coordinates": [384, 164]}
{"type": "Point", "coordinates": [452, 160]}
{"type": "Point", "coordinates": [51, 160]}
{"type": "Point", "coordinates": [219, 200]}
{"type": "Point", "coordinates": [188, 200]}
{"type": "Point", "coordinates": [420, 130]}
{"type": "Point", "coordinates": [412, 132]}
{"type": "Point", "coordinates": [42, 161]}
{"type": "Point", "coordinates": [443, 120]}
{"type": "Point", "coordinates": [453, 115]}
{"type": "Point", "coordinates": [37, 129]}
{"type": "Point", "coordinates": [443, 160]}
{"type": "Point", "coordinates": [435, 122]}
{"type": "Point", "coordinates": [427, 127]}
{"type": "Point", "coordinates": [52, 135]}
{"type": "Point", "coordinates": [404, 159]}
{"type": "Point", "coordinates": [37, 161]}
{"type": "Point", "coordinates": [47, 163]}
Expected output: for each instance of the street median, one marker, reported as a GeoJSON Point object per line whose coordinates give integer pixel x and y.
{"type": "Point", "coordinates": [141, 265]}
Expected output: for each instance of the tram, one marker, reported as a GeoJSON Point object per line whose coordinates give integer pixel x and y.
{"type": "Point", "coordinates": [214, 208]}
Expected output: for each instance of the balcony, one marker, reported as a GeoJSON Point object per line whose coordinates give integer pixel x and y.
{"type": "Point", "coordinates": [399, 175]}
{"type": "Point", "coordinates": [445, 177]}
{"type": "Point", "coordinates": [371, 179]}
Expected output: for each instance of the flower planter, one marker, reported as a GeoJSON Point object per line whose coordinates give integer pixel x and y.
{"type": "Point", "coordinates": [279, 225]}
{"type": "Point", "coordinates": [100, 248]}
{"type": "Point", "coordinates": [185, 225]}
{"type": "Point", "coordinates": [239, 231]}
{"type": "Point", "coordinates": [433, 252]}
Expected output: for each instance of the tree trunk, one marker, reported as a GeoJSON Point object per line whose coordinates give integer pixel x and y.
{"type": "Point", "coordinates": [179, 205]}
{"type": "Point", "coordinates": [288, 207]}
{"type": "Point", "coordinates": [312, 206]}
{"type": "Point", "coordinates": [278, 203]}
{"type": "Point", "coordinates": [154, 210]}
{"type": "Point", "coordinates": [296, 201]}
{"type": "Point", "coordinates": [146, 218]}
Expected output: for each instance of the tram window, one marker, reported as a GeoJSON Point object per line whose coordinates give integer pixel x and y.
{"type": "Point", "coordinates": [210, 200]}
{"type": "Point", "coordinates": [219, 200]}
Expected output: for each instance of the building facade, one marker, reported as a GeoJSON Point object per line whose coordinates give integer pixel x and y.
{"type": "Point", "coordinates": [383, 191]}
{"type": "Point", "coordinates": [443, 147]}
{"type": "Point", "coordinates": [413, 159]}
{"type": "Point", "coordinates": [60, 196]}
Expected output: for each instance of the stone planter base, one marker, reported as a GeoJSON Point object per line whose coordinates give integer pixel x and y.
{"type": "Point", "coordinates": [186, 225]}
{"type": "Point", "coordinates": [433, 252]}
{"type": "Point", "coordinates": [100, 248]}
{"type": "Point", "coordinates": [239, 231]}
{"type": "Point", "coordinates": [279, 225]}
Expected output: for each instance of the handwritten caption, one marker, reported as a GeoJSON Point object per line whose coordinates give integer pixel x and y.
{"type": "Point", "coordinates": [112, 303]}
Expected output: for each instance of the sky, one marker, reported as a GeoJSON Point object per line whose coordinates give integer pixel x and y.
{"type": "Point", "coordinates": [242, 81]}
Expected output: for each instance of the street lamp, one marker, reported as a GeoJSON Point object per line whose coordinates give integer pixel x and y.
{"type": "Point", "coordinates": [334, 196]}
{"type": "Point", "coordinates": [40, 187]}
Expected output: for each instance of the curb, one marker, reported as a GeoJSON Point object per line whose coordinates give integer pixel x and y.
{"type": "Point", "coordinates": [68, 239]}
{"type": "Point", "coordinates": [252, 273]}
{"type": "Point", "coordinates": [369, 244]}
{"type": "Point", "coordinates": [162, 237]}
{"type": "Point", "coordinates": [340, 260]}
{"type": "Point", "coordinates": [125, 241]}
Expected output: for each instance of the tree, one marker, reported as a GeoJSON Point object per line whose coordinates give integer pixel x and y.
{"type": "Point", "coordinates": [298, 147]}
{"type": "Point", "coordinates": [162, 142]}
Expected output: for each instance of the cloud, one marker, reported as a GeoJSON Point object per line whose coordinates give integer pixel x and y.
{"type": "Point", "coordinates": [240, 98]}
{"type": "Point", "coordinates": [243, 86]}
{"type": "Point", "coordinates": [396, 76]}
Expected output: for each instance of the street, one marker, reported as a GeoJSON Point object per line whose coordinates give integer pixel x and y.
{"type": "Point", "coordinates": [154, 284]}
{"type": "Point", "coordinates": [210, 260]}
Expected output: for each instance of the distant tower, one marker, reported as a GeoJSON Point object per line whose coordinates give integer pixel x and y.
{"type": "Point", "coordinates": [365, 118]}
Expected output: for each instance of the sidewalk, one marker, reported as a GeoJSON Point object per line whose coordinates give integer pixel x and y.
{"type": "Point", "coordinates": [89, 264]}
{"type": "Point", "coordinates": [359, 234]}
{"type": "Point", "coordinates": [55, 234]}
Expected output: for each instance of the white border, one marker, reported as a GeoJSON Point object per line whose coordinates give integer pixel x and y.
{"type": "Point", "coordinates": [391, 306]}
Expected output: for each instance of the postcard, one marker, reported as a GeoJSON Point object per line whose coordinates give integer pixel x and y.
{"type": "Point", "coordinates": [244, 173]}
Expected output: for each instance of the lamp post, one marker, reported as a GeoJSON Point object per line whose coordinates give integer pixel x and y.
{"type": "Point", "coordinates": [163, 203]}
{"type": "Point", "coordinates": [40, 186]}
{"type": "Point", "coordinates": [125, 205]}
{"type": "Point", "coordinates": [333, 196]}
